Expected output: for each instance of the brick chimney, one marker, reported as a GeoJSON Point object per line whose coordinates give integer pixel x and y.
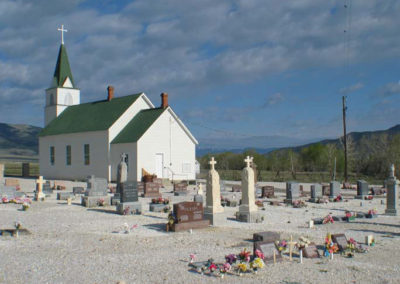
{"type": "Point", "coordinates": [164, 100]}
{"type": "Point", "coordinates": [110, 90]}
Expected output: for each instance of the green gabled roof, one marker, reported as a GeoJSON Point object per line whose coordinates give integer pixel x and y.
{"type": "Point", "coordinates": [63, 70]}
{"type": "Point", "coordinates": [138, 125]}
{"type": "Point", "coordinates": [93, 116]}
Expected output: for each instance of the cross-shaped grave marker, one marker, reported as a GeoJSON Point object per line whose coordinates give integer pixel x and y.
{"type": "Point", "coordinates": [248, 160]}
{"type": "Point", "coordinates": [212, 163]}
{"type": "Point", "coordinates": [40, 183]}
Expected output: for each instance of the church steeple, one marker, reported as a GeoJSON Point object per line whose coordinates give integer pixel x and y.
{"type": "Point", "coordinates": [62, 92]}
{"type": "Point", "coordinates": [62, 77]}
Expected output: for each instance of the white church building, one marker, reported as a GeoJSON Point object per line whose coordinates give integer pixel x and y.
{"type": "Point", "coordinates": [88, 139]}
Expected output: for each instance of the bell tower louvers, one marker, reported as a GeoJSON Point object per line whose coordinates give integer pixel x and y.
{"type": "Point", "coordinates": [62, 92]}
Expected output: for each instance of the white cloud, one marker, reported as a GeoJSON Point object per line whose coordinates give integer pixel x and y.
{"type": "Point", "coordinates": [351, 89]}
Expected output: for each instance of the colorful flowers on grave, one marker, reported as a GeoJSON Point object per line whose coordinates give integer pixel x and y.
{"type": "Point", "coordinates": [160, 200]}
{"type": "Point", "coordinates": [127, 210]}
{"type": "Point", "coordinates": [171, 218]}
{"type": "Point", "coordinates": [259, 254]}
{"type": "Point", "coordinates": [101, 202]}
{"type": "Point", "coordinates": [303, 242]}
{"type": "Point", "coordinates": [244, 256]}
{"type": "Point", "coordinates": [328, 219]}
{"type": "Point", "coordinates": [369, 197]}
{"type": "Point", "coordinates": [25, 206]}
{"type": "Point", "coordinates": [5, 200]}
{"type": "Point", "coordinates": [372, 212]}
{"type": "Point", "coordinates": [259, 203]}
{"type": "Point", "coordinates": [298, 204]}
{"type": "Point", "coordinates": [338, 198]}
{"type": "Point", "coordinates": [281, 245]}
{"type": "Point", "coordinates": [192, 256]}
{"type": "Point", "coordinates": [231, 258]}
{"type": "Point", "coordinates": [257, 263]}
{"type": "Point", "coordinates": [242, 267]}
{"type": "Point", "coordinates": [330, 246]}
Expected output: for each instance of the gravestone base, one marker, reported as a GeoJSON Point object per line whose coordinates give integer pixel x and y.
{"type": "Point", "coordinates": [314, 200]}
{"type": "Point", "coordinates": [65, 195]}
{"type": "Point", "coordinates": [198, 198]}
{"type": "Point", "coordinates": [93, 201]}
{"type": "Point", "coordinates": [157, 207]}
{"type": "Point", "coordinates": [40, 196]}
{"type": "Point", "coordinates": [215, 219]}
{"type": "Point", "coordinates": [78, 190]}
{"type": "Point", "coordinates": [152, 194]}
{"type": "Point", "coordinates": [180, 193]}
{"type": "Point", "coordinates": [116, 199]}
{"type": "Point", "coordinates": [249, 217]}
{"type": "Point", "coordinates": [288, 201]}
{"type": "Point", "coordinates": [178, 227]}
{"type": "Point", "coordinates": [391, 212]}
{"type": "Point", "coordinates": [134, 208]}
{"type": "Point", "coordinates": [359, 196]}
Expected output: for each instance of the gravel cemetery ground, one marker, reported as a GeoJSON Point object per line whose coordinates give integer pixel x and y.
{"type": "Point", "coordinates": [73, 244]}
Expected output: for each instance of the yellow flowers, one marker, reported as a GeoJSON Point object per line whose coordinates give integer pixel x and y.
{"type": "Point", "coordinates": [257, 263]}
{"type": "Point", "coordinates": [242, 267]}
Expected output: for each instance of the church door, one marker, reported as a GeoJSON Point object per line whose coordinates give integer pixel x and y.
{"type": "Point", "coordinates": [159, 165]}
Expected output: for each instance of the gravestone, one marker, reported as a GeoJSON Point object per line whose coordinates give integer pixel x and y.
{"type": "Point", "coordinates": [65, 195]}
{"type": "Point", "coordinates": [269, 250]}
{"type": "Point", "coordinates": [59, 185]}
{"type": "Point", "coordinates": [248, 209]}
{"type": "Point", "coordinates": [180, 189]}
{"type": "Point", "coordinates": [122, 176]}
{"type": "Point", "coordinates": [326, 190]}
{"type": "Point", "coordinates": [311, 251]}
{"type": "Point", "coordinates": [1, 174]}
{"type": "Point", "coordinates": [362, 189]}
{"type": "Point", "coordinates": [267, 237]}
{"type": "Point", "coordinates": [96, 192]}
{"type": "Point", "coordinates": [268, 192]}
{"type": "Point", "coordinates": [213, 195]}
{"type": "Point", "coordinates": [236, 188]}
{"type": "Point", "coordinates": [340, 240]}
{"type": "Point", "coordinates": [334, 189]}
{"type": "Point", "coordinates": [25, 170]}
{"type": "Point", "coordinates": [39, 195]}
{"type": "Point", "coordinates": [12, 182]}
{"type": "Point", "coordinates": [199, 196]}
{"type": "Point", "coordinates": [78, 190]}
{"type": "Point", "coordinates": [392, 194]}
{"type": "Point", "coordinates": [188, 215]}
{"type": "Point", "coordinates": [151, 190]}
{"type": "Point", "coordinates": [140, 187]}
{"type": "Point", "coordinates": [292, 192]}
{"type": "Point", "coordinates": [129, 202]}
{"type": "Point", "coordinates": [47, 189]}
{"type": "Point", "coordinates": [316, 192]}
{"type": "Point", "coordinates": [8, 191]}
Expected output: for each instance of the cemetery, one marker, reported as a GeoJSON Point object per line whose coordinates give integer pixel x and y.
{"type": "Point", "coordinates": [261, 236]}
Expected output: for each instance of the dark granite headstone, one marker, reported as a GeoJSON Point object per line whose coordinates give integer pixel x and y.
{"type": "Point", "coordinates": [316, 192]}
{"type": "Point", "coordinates": [268, 249]}
{"type": "Point", "coordinates": [334, 189]}
{"type": "Point", "coordinates": [129, 192]}
{"type": "Point", "coordinates": [340, 240]}
{"type": "Point", "coordinates": [152, 190]}
{"type": "Point", "coordinates": [189, 215]}
{"type": "Point", "coordinates": [292, 191]}
{"type": "Point", "coordinates": [362, 189]}
{"type": "Point", "coordinates": [267, 192]}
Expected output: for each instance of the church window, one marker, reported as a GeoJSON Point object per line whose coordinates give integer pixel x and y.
{"type": "Point", "coordinates": [87, 154]}
{"type": "Point", "coordinates": [68, 154]}
{"type": "Point", "coordinates": [52, 154]}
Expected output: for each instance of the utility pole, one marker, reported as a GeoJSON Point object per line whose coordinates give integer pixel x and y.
{"type": "Point", "coordinates": [345, 138]}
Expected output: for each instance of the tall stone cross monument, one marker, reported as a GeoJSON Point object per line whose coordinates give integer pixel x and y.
{"type": "Point", "coordinates": [213, 198]}
{"type": "Point", "coordinates": [39, 195]}
{"type": "Point", "coordinates": [248, 209]}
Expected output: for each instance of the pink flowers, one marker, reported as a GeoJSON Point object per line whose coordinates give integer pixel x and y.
{"type": "Point", "coordinates": [231, 258]}
{"type": "Point", "coordinates": [244, 255]}
{"type": "Point", "coordinates": [192, 257]}
{"type": "Point", "coordinates": [259, 254]}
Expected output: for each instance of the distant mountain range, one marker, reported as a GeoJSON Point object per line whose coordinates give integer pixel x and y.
{"type": "Point", "coordinates": [19, 142]}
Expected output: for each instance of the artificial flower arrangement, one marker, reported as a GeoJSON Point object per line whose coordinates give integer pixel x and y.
{"type": "Point", "coordinates": [235, 264]}
{"type": "Point", "coordinates": [349, 216]}
{"type": "Point", "coordinates": [303, 243]}
{"type": "Point", "coordinates": [328, 219]}
{"type": "Point", "coordinates": [352, 247]}
{"type": "Point", "coordinates": [298, 204]}
{"type": "Point", "coordinates": [259, 203]}
{"type": "Point", "coordinates": [160, 200]}
{"type": "Point", "coordinates": [17, 200]}
{"type": "Point", "coordinates": [101, 202]}
{"type": "Point", "coordinates": [330, 246]}
{"type": "Point", "coordinates": [25, 206]}
{"type": "Point", "coordinates": [338, 198]}
{"type": "Point", "coordinates": [369, 197]}
{"type": "Point", "coordinates": [5, 200]}
{"type": "Point", "coordinates": [281, 245]}
{"type": "Point", "coordinates": [372, 213]}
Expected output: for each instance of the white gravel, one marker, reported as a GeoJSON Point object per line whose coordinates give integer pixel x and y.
{"type": "Point", "coordinates": [73, 244]}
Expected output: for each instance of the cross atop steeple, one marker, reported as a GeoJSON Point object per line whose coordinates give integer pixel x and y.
{"type": "Point", "coordinates": [62, 33]}
{"type": "Point", "coordinates": [212, 163]}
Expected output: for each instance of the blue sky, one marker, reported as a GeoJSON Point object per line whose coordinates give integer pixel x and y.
{"type": "Point", "coordinates": [237, 68]}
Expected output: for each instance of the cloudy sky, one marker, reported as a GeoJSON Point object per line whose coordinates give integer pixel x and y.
{"type": "Point", "coordinates": [231, 68]}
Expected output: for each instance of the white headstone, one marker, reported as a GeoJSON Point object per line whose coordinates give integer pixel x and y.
{"type": "Point", "coordinates": [213, 198]}
{"type": "Point", "coordinates": [248, 189]}
{"type": "Point", "coordinates": [122, 170]}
